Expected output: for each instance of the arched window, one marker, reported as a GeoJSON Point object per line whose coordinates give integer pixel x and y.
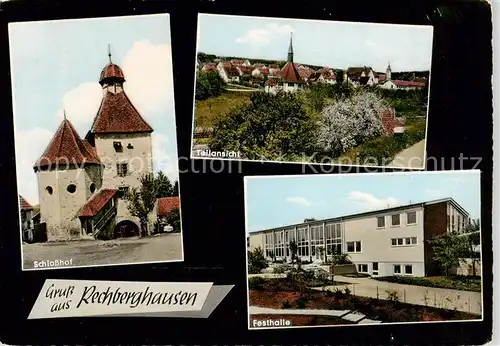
{"type": "Point", "coordinates": [92, 188]}
{"type": "Point", "coordinates": [71, 188]}
{"type": "Point", "coordinates": [49, 190]}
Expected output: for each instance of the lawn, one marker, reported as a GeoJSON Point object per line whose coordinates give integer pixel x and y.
{"type": "Point", "coordinates": [463, 283]}
{"type": "Point", "coordinates": [301, 320]}
{"type": "Point", "coordinates": [209, 110]}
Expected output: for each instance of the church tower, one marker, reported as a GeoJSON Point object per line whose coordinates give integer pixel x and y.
{"type": "Point", "coordinates": [290, 50]}
{"type": "Point", "coordinates": [68, 172]}
{"type": "Point", "coordinates": [121, 136]}
{"type": "Point", "coordinates": [388, 76]}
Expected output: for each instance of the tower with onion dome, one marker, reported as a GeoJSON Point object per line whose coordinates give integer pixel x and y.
{"type": "Point", "coordinates": [84, 183]}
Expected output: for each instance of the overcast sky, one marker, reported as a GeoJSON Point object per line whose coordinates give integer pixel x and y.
{"type": "Point", "coordinates": [324, 43]}
{"type": "Point", "coordinates": [56, 65]}
{"type": "Point", "coordinates": [276, 201]}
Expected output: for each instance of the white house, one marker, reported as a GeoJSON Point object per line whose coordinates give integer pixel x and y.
{"type": "Point", "coordinates": [386, 242]}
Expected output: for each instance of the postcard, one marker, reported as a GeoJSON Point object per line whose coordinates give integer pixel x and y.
{"type": "Point", "coordinates": [95, 140]}
{"type": "Point", "coordinates": [310, 91]}
{"type": "Point", "coordinates": [363, 249]}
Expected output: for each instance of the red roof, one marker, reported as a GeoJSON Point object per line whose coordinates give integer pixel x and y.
{"type": "Point", "coordinates": [111, 71]}
{"type": "Point", "coordinates": [67, 147]}
{"type": "Point", "coordinates": [166, 204]}
{"type": "Point", "coordinates": [232, 71]}
{"type": "Point", "coordinates": [24, 204]}
{"type": "Point", "coordinates": [290, 74]}
{"type": "Point", "coordinates": [305, 73]}
{"type": "Point", "coordinates": [97, 202]}
{"type": "Point", "coordinates": [118, 115]}
{"type": "Point", "coordinates": [406, 83]}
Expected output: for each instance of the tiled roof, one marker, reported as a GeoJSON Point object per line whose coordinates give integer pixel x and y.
{"type": "Point", "coordinates": [289, 74]}
{"type": "Point", "coordinates": [232, 71]}
{"type": "Point", "coordinates": [67, 147]}
{"type": "Point", "coordinates": [97, 202]}
{"type": "Point", "coordinates": [406, 83]}
{"type": "Point", "coordinates": [118, 115]}
{"type": "Point", "coordinates": [166, 204]}
{"type": "Point", "coordinates": [305, 73]}
{"type": "Point", "coordinates": [24, 204]}
{"type": "Point", "coordinates": [111, 71]}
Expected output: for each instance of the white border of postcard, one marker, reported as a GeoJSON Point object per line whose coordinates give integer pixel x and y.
{"type": "Point", "coordinates": [367, 175]}
{"type": "Point", "coordinates": [424, 158]}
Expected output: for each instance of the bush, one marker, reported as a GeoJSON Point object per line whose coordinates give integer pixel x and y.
{"type": "Point", "coordinates": [174, 219]}
{"type": "Point", "coordinates": [208, 84]}
{"type": "Point", "coordinates": [255, 283]}
{"type": "Point", "coordinates": [382, 150]}
{"type": "Point", "coordinates": [271, 127]}
{"type": "Point", "coordinates": [256, 261]}
{"type": "Point", "coordinates": [350, 122]}
{"type": "Point", "coordinates": [281, 269]}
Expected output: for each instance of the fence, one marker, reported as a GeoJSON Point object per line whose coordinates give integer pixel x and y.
{"type": "Point", "coordinates": [200, 132]}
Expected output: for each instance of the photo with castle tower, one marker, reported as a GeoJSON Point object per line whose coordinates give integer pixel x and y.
{"type": "Point", "coordinates": [96, 154]}
{"type": "Point", "coordinates": [310, 91]}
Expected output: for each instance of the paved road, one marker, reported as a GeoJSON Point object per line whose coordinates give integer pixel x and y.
{"type": "Point", "coordinates": [413, 157]}
{"type": "Point", "coordinates": [439, 297]}
{"type": "Point", "coordinates": [159, 248]}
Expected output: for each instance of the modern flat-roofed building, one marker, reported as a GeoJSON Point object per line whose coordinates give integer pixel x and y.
{"type": "Point", "coordinates": [391, 241]}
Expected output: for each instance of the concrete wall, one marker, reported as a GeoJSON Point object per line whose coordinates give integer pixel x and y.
{"type": "Point", "coordinates": [139, 158]}
{"type": "Point", "coordinates": [59, 209]}
{"type": "Point", "coordinates": [376, 245]}
{"type": "Point", "coordinates": [256, 240]}
{"type": "Point", "coordinates": [467, 267]}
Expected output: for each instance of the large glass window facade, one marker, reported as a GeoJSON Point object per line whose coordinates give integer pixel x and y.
{"type": "Point", "coordinates": [303, 241]}
{"type": "Point", "coordinates": [333, 236]}
{"type": "Point", "coordinates": [269, 245]}
{"type": "Point", "coordinates": [290, 236]}
{"type": "Point", "coordinates": [279, 244]}
{"type": "Point", "coordinates": [317, 240]}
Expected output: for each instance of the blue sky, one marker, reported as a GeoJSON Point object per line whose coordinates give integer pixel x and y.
{"type": "Point", "coordinates": [55, 65]}
{"type": "Point", "coordinates": [324, 43]}
{"type": "Point", "coordinates": [277, 201]}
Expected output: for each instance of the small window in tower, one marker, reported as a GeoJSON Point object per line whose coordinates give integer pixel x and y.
{"type": "Point", "coordinates": [130, 146]}
{"type": "Point", "coordinates": [71, 188]}
{"type": "Point", "coordinates": [118, 147]}
{"type": "Point", "coordinates": [92, 188]}
{"type": "Point", "coordinates": [122, 169]}
{"type": "Point", "coordinates": [49, 190]}
{"type": "Point", "coordinates": [123, 192]}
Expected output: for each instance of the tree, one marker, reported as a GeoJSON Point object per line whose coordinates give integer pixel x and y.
{"type": "Point", "coordinates": [293, 250]}
{"type": "Point", "coordinates": [164, 187]}
{"type": "Point", "coordinates": [174, 219]}
{"type": "Point", "coordinates": [270, 127]}
{"type": "Point", "coordinates": [350, 122]}
{"type": "Point", "coordinates": [256, 261]}
{"type": "Point", "coordinates": [142, 201]}
{"type": "Point", "coordinates": [208, 84]}
{"type": "Point", "coordinates": [175, 189]}
{"type": "Point", "coordinates": [471, 240]}
{"type": "Point", "coordinates": [448, 250]}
